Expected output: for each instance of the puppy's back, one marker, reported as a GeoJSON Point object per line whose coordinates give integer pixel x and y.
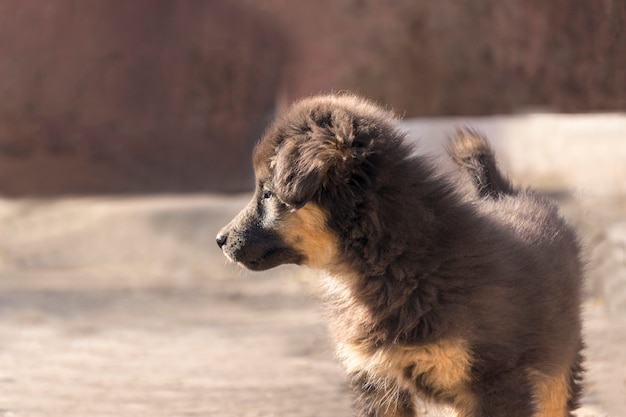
{"type": "Point", "coordinates": [549, 292]}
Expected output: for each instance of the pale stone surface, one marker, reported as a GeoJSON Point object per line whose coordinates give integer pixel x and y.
{"type": "Point", "coordinates": [125, 307]}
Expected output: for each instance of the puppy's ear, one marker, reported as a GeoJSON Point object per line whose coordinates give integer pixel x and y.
{"type": "Point", "coordinates": [304, 164]}
{"type": "Point", "coordinates": [297, 174]}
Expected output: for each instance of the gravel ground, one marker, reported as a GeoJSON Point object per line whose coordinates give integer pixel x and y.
{"type": "Point", "coordinates": [125, 307]}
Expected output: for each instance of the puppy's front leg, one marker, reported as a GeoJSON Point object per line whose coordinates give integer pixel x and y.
{"type": "Point", "coordinates": [380, 398]}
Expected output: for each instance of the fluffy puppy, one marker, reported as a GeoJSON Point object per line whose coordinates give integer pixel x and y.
{"type": "Point", "coordinates": [469, 301]}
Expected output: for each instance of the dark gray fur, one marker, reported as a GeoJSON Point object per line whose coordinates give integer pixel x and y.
{"type": "Point", "coordinates": [501, 270]}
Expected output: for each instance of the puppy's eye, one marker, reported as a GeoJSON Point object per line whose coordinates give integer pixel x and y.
{"type": "Point", "coordinates": [267, 194]}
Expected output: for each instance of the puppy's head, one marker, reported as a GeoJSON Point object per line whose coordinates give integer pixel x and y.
{"type": "Point", "coordinates": [311, 163]}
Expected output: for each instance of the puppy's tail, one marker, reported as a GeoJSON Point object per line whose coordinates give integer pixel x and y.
{"type": "Point", "coordinates": [472, 153]}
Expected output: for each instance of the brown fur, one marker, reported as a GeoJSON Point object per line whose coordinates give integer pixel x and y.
{"type": "Point", "coordinates": [471, 151]}
{"type": "Point", "coordinates": [548, 393]}
{"type": "Point", "coordinates": [467, 300]}
{"type": "Point", "coordinates": [305, 229]}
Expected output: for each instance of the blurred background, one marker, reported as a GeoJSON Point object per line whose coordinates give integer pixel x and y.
{"type": "Point", "coordinates": [112, 96]}
{"type": "Point", "coordinates": [126, 129]}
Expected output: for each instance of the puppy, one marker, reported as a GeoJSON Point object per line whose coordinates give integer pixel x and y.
{"type": "Point", "coordinates": [467, 300]}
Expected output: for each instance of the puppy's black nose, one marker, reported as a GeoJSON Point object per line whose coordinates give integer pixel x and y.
{"type": "Point", "coordinates": [221, 239]}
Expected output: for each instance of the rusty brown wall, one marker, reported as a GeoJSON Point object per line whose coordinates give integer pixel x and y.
{"type": "Point", "coordinates": [160, 95]}
{"type": "Point", "coordinates": [488, 56]}
{"type": "Point", "coordinates": [451, 57]}
{"type": "Point", "coordinates": [142, 95]}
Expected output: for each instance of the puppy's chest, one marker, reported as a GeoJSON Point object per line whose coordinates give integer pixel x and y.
{"type": "Point", "coordinates": [440, 367]}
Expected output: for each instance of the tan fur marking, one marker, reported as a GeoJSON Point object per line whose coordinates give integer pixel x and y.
{"type": "Point", "coordinates": [305, 229]}
{"type": "Point", "coordinates": [550, 394]}
{"type": "Point", "coordinates": [444, 366]}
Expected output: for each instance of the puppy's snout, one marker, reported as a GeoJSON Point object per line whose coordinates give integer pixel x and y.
{"type": "Point", "coordinates": [221, 239]}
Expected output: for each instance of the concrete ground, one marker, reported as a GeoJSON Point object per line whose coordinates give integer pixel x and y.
{"type": "Point", "coordinates": [116, 306]}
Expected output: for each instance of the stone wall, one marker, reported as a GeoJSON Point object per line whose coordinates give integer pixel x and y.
{"type": "Point", "coordinates": [124, 96]}
{"type": "Point", "coordinates": [159, 96]}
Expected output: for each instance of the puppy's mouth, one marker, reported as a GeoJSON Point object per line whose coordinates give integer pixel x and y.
{"type": "Point", "coordinates": [270, 258]}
